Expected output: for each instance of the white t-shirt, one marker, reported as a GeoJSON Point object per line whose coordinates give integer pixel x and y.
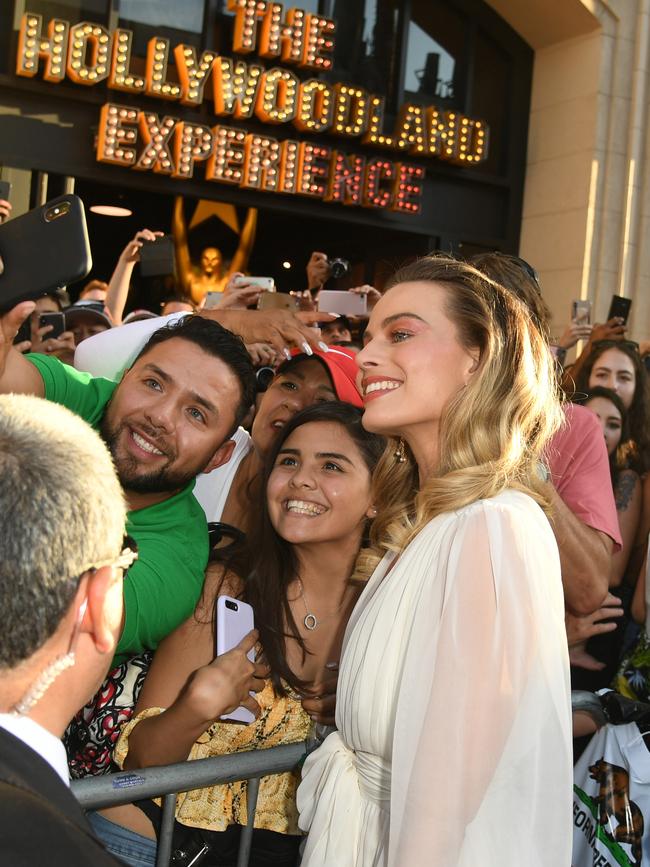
{"type": "Point", "coordinates": [212, 488]}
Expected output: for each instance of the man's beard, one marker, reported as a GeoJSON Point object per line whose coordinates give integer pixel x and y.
{"type": "Point", "coordinates": [161, 481]}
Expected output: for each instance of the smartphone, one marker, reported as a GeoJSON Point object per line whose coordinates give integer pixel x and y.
{"type": "Point", "coordinates": [581, 312]}
{"type": "Point", "coordinates": [620, 306]}
{"type": "Point", "coordinates": [212, 300]}
{"type": "Point", "coordinates": [266, 284]}
{"type": "Point", "coordinates": [42, 250]}
{"type": "Point", "coordinates": [235, 619]}
{"type": "Point", "coordinates": [157, 257]}
{"type": "Point", "coordinates": [56, 320]}
{"type": "Point", "coordinates": [5, 190]}
{"type": "Point", "coordinates": [346, 303]}
{"type": "Point", "coordinates": [277, 301]}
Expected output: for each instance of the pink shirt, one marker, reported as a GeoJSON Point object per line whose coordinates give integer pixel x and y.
{"type": "Point", "coordinates": [579, 467]}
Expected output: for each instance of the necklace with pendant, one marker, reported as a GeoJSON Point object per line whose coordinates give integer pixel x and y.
{"type": "Point", "coordinates": [310, 620]}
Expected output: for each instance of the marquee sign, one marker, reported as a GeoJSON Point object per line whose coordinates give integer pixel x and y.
{"type": "Point", "coordinates": [144, 140]}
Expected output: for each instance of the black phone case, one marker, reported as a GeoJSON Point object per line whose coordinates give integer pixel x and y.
{"type": "Point", "coordinates": [41, 254]}
{"type": "Point", "coordinates": [157, 257]}
{"type": "Point", "coordinates": [58, 322]}
{"type": "Point", "coordinates": [620, 306]}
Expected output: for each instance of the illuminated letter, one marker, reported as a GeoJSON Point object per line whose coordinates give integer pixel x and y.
{"type": "Point", "coordinates": [276, 101]}
{"type": "Point", "coordinates": [157, 62]}
{"type": "Point", "coordinates": [346, 178]}
{"type": "Point", "coordinates": [313, 169]}
{"type": "Point", "coordinates": [375, 123]}
{"type": "Point", "coordinates": [442, 133]}
{"type": "Point", "coordinates": [282, 40]}
{"type": "Point", "coordinates": [316, 45]}
{"type": "Point", "coordinates": [193, 74]}
{"type": "Point", "coordinates": [32, 46]}
{"type": "Point", "coordinates": [85, 39]}
{"type": "Point", "coordinates": [156, 135]}
{"type": "Point", "coordinates": [315, 106]}
{"type": "Point", "coordinates": [409, 129]}
{"type": "Point", "coordinates": [112, 136]}
{"type": "Point", "coordinates": [227, 160]}
{"type": "Point", "coordinates": [245, 31]}
{"type": "Point", "coordinates": [288, 166]}
{"type": "Point", "coordinates": [235, 87]}
{"type": "Point", "coordinates": [377, 171]}
{"type": "Point", "coordinates": [351, 110]}
{"type": "Point", "coordinates": [408, 188]}
{"type": "Point", "coordinates": [193, 142]}
{"type": "Point", "coordinates": [261, 165]}
{"type": "Point", "coordinates": [121, 77]}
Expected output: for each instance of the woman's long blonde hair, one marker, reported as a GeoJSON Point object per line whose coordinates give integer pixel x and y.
{"type": "Point", "coordinates": [493, 432]}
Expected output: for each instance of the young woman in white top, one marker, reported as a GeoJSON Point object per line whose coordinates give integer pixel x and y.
{"type": "Point", "coordinates": [453, 746]}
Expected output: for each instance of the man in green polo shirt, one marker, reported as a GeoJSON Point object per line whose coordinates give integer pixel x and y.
{"type": "Point", "coordinates": [170, 418]}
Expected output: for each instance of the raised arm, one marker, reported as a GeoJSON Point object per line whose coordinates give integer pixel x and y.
{"type": "Point", "coordinates": [17, 374]}
{"type": "Point", "coordinates": [118, 287]}
{"type": "Point", "coordinates": [181, 246]}
{"type": "Point", "coordinates": [246, 241]}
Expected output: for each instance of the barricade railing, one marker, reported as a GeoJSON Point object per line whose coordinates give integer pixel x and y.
{"type": "Point", "coordinates": [112, 790]}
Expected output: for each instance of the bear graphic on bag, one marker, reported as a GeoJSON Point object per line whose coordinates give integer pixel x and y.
{"type": "Point", "coordinates": [614, 802]}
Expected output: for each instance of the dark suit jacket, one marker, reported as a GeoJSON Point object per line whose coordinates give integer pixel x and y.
{"type": "Point", "coordinates": [41, 822]}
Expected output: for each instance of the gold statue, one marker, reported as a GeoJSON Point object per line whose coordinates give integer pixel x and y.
{"type": "Point", "coordinates": [210, 275]}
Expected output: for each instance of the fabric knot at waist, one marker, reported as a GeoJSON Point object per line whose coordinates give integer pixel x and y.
{"type": "Point", "coordinates": [341, 778]}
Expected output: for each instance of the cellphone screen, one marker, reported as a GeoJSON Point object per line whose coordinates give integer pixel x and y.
{"type": "Point", "coordinates": [620, 307]}
{"type": "Point", "coordinates": [56, 320]}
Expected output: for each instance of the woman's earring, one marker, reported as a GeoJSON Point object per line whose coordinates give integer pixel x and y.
{"type": "Point", "coordinates": [400, 452]}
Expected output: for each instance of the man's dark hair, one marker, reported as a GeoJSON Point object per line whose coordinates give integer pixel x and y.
{"type": "Point", "coordinates": [215, 340]}
{"type": "Point", "coordinates": [519, 277]}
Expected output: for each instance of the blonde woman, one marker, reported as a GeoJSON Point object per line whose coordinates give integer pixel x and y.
{"type": "Point", "coordinates": [453, 746]}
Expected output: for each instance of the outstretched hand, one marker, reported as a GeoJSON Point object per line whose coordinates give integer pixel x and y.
{"type": "Point", "coordinates": [281, 329]}
{"type": "Point", "coordinates": [226, 683]}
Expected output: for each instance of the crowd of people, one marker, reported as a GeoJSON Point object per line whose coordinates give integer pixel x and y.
{"type": "Point", "coordinates": [440, 526]}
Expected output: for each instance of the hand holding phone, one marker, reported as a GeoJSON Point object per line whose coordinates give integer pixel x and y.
{"type": "Point", "coordinates": [43, 249]}
{"type": "Point", "coordinates": [53, 322]}
{"type": "Point", "coordinates": [619, 308]}
{"type": "Point", "coordinates": [345, 303]}
{"type": "Point", "coordinates": [235, 621]}
{"type": "Point", "coordinates": [265, 284]}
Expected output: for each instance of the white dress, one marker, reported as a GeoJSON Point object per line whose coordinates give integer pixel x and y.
{"type": "Point", "coordinates": [453, 710]}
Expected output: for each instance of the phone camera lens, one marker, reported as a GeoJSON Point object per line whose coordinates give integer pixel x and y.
{"type": "Point", "coordinates": [232, 605]}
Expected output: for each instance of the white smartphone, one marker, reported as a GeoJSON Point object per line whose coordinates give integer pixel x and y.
{"type": "Point", "coordinates": [212, 300]}
{"type": "Point", "coordinates": [346, 303]}
{"type": "Point", "coordinates": [581, 311]}
{"type": "Point", "coordinates": [266, 284]}
{"type": "Point", "coordinates": [235, 619]}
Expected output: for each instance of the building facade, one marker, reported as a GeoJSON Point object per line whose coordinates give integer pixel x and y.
{"type": "Point", "coordinates": [376, 129]}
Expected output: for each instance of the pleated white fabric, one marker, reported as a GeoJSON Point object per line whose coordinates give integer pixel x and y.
{"type": "Point", "coordinates": [453, 712]}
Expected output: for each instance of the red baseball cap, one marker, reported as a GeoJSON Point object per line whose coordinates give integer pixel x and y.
{"type": "Point", "coordinates": [342, 367]}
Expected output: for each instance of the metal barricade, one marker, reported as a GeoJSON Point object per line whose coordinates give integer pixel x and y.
{"type": "Point", "coordinates": [111, 790]}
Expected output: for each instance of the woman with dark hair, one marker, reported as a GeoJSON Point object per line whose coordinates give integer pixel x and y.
{"type": "Point", "coordinates": [599, 658]}
{"type": "Point", "coordinates": [295, 571]}
{"type": "Point", "coordinates": [616, 364]}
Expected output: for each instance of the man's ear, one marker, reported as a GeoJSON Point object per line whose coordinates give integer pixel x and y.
{"type": "Point", "coordinates": [221, 456]}
{"type": "Point", "coordinates": [103, 616]}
